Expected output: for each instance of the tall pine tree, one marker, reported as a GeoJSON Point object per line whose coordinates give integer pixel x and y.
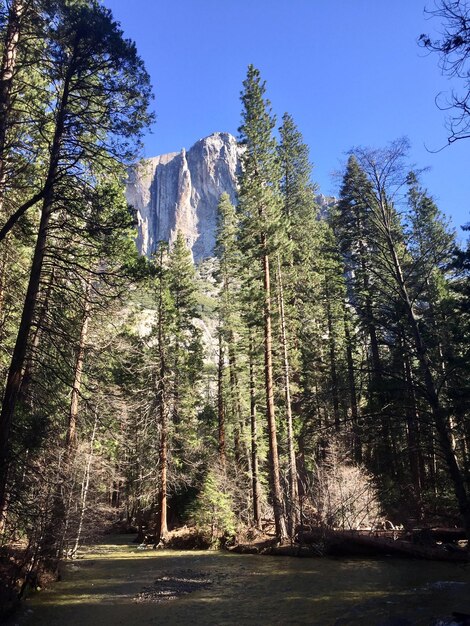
{"type": "Point", "coordinates": [260, 211]}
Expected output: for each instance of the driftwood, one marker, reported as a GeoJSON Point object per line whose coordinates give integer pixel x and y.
{"type": "Point", "coordinates": [351, 542]}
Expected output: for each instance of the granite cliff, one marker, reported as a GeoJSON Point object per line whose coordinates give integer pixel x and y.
{"type": "Point", "coordinates": [181, 190]}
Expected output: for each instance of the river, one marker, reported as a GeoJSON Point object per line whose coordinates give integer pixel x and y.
{"type": "Point", "coordinates": [113, 581]}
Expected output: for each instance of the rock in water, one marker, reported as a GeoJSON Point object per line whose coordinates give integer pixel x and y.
{"type": "Point", "coordinates": [181, 191]}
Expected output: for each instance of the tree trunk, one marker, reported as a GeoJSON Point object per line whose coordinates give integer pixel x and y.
{"type": "Point", "coordinates": [84, 490]}
{"type": "Point", "coordinates": [254, 439]}
{"type": "Point", "coordinates": [293, 505]}
{"type": "Point", "coordinates": [333, 369]}
{"type": "Point", "coordinates": [3, 282]}
{"type": "Point", "coordinates": [276, 492]}
{"type": "Point", "coordinates": [377, 397]}
{"type": "Point", "coordinates": [414, 445]}
{"type": "Point", "coordinates": [352, 389]}
{"type": "Point", "coordinates": [14, 378]}
{"type": "Point", "coordinates": [7, 70]}
{"type": "Point", "coordinates": [56, 530]}
{"type": "Point", "coordinates": [163, 417]}
{"type": "Point", "coordinates": [441, 423]}
{"type": "Point", "coordinates": [220, 404]}
{"type": "Point", "coordinates": [240, 439]}
{"type": "Point", "coordinates": [71, 436]}
{"type": "Point", "coordinates": [369, 316]}
{"type": "Point", "coordinates": [67, 507]}
{"type": "Point", "coordinates": [163, 495]}
{"type": "Point", "coordinates": [26, 392]}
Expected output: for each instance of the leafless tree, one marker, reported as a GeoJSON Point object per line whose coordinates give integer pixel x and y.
{"type": "Point", "coordinates": [453, 48]}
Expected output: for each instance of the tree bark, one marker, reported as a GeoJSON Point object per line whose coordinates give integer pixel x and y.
{"type": "Point", "coordinates": [377, 398]}
{"type": "Point", "coordinates": [163, 417]}
{"type": "Point", "coordinates": [414, 446]}
{"type": "Point", "coordinates": [221, 404]}
{"type": "Point", "coordinates": [84, 490]}
{"type": "Point", "coordinates": [333, 368]}
{"type": "Point", "coordinates": [71, 436]}
{"type": "Point", "coordinates": [240, 439]}
{"type": "Point", "coordinates": [254, 439]}
{"type": "Point", "coordinates": [26, 390]}
{"type": "Point", "coordinates": [3, 283]}
{"type": "Point", "coordinates": [276, 492]}
{"type": "Point", "coordinates": [352, 389]}
{"type": "Point", "coordinates": [293, 505]}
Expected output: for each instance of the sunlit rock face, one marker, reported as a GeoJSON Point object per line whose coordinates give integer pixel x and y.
{"type": "Point", "coordinates": [181, 190]}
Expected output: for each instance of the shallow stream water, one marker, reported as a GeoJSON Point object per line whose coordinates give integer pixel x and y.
{"type": "Point", "coordinates": [102, 588]}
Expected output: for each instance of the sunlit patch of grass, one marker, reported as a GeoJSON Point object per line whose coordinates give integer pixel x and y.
{"type": "Point", "coordinates": [101, 587]}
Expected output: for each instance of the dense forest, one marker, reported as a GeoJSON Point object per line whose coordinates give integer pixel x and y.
{"type": "Point", "coordinates": [333, 390]}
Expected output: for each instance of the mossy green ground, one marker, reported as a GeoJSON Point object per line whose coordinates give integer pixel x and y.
{"type": "Point", "coordinates": [100, 589]}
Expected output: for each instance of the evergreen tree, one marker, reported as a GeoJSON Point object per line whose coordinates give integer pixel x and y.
{"type": "Point", "coordinates": [298, 192]}
{"type": "Point", "coordinates": [293, 273]}
{"type": "Point", "coordinates": [187, 348]}
{"type": "Point", "coordinates": [165, 315]}
{"type": "Point", "coordinates": [228, 254]}
{"type": "Point", "coordinates": [100, 108]}
{"type": "Point", "coordinates": [260, 211]}
{"type": "Point", "coordinates": [385, 175]}
{"type": "Point", "coordinates": [179, 362]}
{"type": "Point", "coordinates": [361, 249]}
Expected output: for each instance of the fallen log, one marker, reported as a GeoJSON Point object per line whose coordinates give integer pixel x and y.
{"type": "Point", "coordinates": [273, 549]}
{"type": "Point", "coordinates": [445, 535]}
{"type": "Point", "coordinates": [347, 542]}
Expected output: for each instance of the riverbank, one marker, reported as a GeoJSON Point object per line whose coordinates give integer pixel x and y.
{"type": "Point", "coordinates": [114, 582]}
{"type": "Point", "coordinates": [366, 544]}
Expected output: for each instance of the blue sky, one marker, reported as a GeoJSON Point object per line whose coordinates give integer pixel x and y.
{"type": "Point", "coordinates": [349, 71]}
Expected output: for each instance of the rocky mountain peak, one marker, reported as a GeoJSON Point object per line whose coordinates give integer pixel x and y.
{"type": "Point", "coordinates": [181, 191]}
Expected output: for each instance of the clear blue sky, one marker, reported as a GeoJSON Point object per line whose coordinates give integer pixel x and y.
{"type": "Point", "coordinates": [349, 71]}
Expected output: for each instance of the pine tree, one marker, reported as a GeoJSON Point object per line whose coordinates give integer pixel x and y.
{"type": "Point", "coordinates": [228, 254]}
{"type": "Point", "coordinates": [361, 249]}
{"type": "Point", "coordinates": [431, 242]}
{"type": "Point", "coordinates": [294, 266]}
{"type": "Point", "coordinates": [187, 349]}
{"type": "Point", "coordinates": [298, 192]}
{"type": "Point", "coordinates": [164, 319]}
{"type": "Point", "coordinates": [260, 211]}
{"type": "Point", "coordinates": [96, 119]}
{"type": "Point", "coordinates": [386, 174]}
